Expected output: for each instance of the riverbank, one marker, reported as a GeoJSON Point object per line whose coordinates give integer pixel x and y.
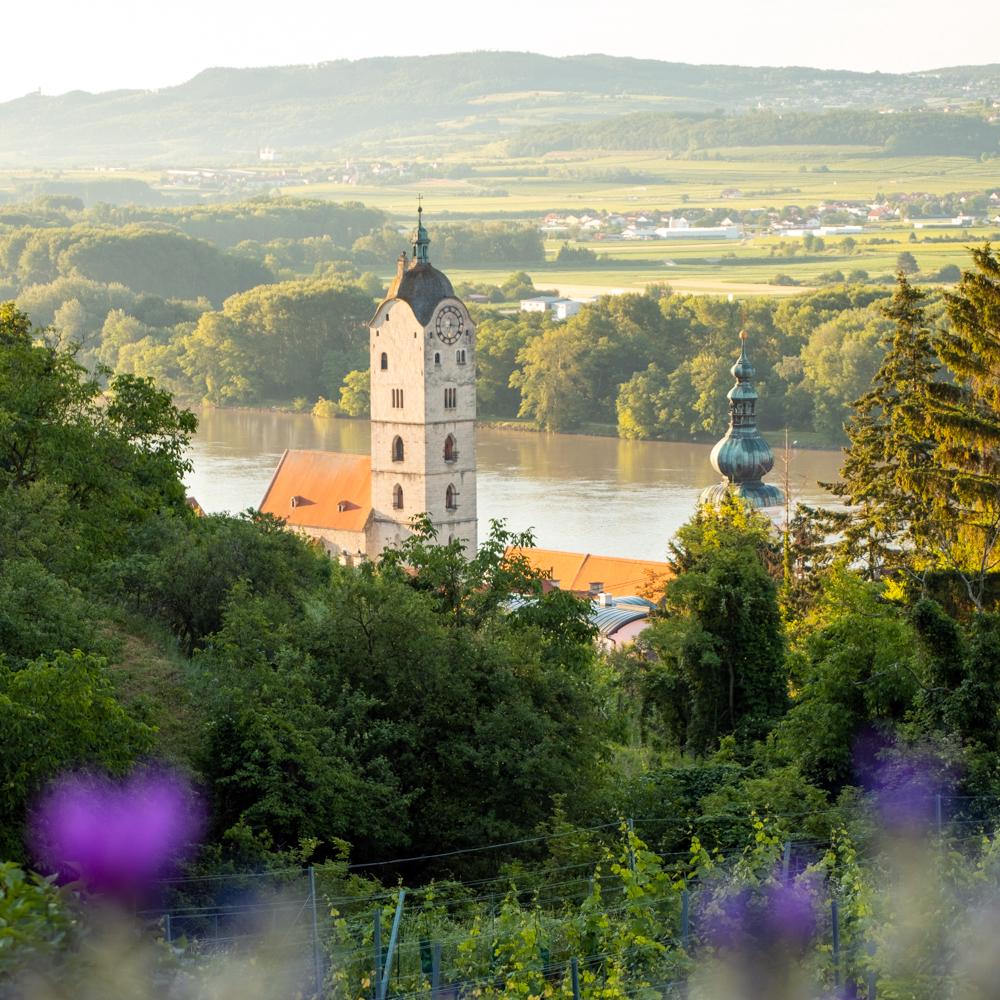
{"type": "Point", "coordinates": [776, 438]}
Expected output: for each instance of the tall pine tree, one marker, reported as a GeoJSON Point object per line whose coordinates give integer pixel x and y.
{"type": "Point", "coordinates": [890, 472]}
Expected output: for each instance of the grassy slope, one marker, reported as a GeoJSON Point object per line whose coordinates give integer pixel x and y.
{"type": "Point", "coordinates": [151, 678]}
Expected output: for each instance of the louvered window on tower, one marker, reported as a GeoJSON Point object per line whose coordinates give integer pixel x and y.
{"type": "Point", "coordinates": [451, 498]}
{"type": "Point", "coordinates": [397, 497]}
{"type": "Point", "coordinates": [460, 356]}
{"type": "Point", "coordinates": [450, 399]}
{"type": "Point", "coordinates": [397, 399]}
{"type": "Point", "coordinates": [397, 449]}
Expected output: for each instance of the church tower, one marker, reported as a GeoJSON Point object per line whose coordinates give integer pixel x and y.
{"type": "Point", "coordinates": [423, 405]}
{"type": "Point", "coordinates": [743, 457]}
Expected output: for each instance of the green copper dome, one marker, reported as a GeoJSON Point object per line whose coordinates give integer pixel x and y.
{"type": "Point", "coordinates": [421, 240]}
{"type": "Point", "coordinates": [743, 457]}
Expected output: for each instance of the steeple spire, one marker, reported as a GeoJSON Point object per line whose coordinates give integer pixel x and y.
{"type": "Point", "coordinates": [421, 241]}
{"type": "Point", "coordinates": [743, 457]}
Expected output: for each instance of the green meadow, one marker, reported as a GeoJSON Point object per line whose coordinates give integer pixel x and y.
{"type": "Point", "coordinates": [577, 180]}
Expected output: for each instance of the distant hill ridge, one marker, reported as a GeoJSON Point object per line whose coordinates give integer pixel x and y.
{"type": "Point", "coordinates": [226, 115]}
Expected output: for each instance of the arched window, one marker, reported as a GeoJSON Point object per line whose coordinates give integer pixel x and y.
{"type": "Point", "coordinates": [450, 451]}
{"type": "Point", "coordinates": [397, 497]}
{"type": "Point", "coordinates": [451, 498]}
{"type": "Point", "coordinates": [437, 357]}
{"type": "Point", "coordinates": [460, 356]}
{"type": "Point", "coordinates": [385, 362]}
{"type": "Point", "coordinates": [397, 449]}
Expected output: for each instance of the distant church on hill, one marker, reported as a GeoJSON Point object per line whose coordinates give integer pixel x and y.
{"type": "Point", "coordinates": [423, 429]}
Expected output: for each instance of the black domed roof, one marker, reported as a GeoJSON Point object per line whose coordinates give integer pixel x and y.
{"type": "Point", "coordinates": [423, 286]}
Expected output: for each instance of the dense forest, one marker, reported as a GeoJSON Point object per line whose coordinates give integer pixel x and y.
{"type": "Point", "coordinates": [312, 112]}
{"type": "Point", "coordinates": [806, 733]}
{"type": "Point", "coordinates": [903, 134]}
{"type": "Point", "coordinates": [194, 297]}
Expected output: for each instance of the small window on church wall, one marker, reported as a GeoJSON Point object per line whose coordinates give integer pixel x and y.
{"type": "Point", "coordinates": [460, 356]}
{"type": "Point", "coordinates": [397, 449]}
{"type": "Point", "coordinates": [450, 399]}
{"type": "Point", "coordinates": [450, 451]}
{"type": "Point", "coordinates": [397, 497]}
{"type": "Point", "coordinates": [397, 399]}
{"type": "Point", "coordinates": [385, 362]}
{"type": "Point", "coordinates": [437, 357]}
{"type": "Point", "coordinates": [451, 498]}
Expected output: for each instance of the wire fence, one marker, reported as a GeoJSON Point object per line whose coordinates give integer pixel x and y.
{"type": "Point", "coordinates": [306, 916]}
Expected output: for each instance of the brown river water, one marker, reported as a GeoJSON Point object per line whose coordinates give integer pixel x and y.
{"type": "Point", "coordinates": [578, 493]}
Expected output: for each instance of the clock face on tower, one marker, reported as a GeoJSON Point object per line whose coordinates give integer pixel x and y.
{"type": "Point", "coordinates": [449, 324]}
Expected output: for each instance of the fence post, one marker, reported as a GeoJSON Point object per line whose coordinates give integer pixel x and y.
{"type": "Point", "coordinates": [938, 816]}
{"type": "Point", "coordinates": [835, 922]}
{"type": "Point", "coordinates": [377, 944]}
{"type": "Point", "coordinates": [631, 834]}
{"type": "Point", "coordinates": [317, 958]}
{"type": "Point", "coordinates": [393, 936]}
{"type": "Point", "coordinates": [685, 918]}
{"type": "Point", "coordinates": [435, 969]}
{"type": "Point", "coordinates": [574, 977]}
{"type": "Point", "coordinates": [786, 861]}
{"type": "Point", "coordinates": [168, 929]}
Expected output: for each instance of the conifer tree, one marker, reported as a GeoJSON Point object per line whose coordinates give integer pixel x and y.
{"type": "Point", "coordinates": [967, 422]}
{"type": "Point", "coordinates": [890, 473]}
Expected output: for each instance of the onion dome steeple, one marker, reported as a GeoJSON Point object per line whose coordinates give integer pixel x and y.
{"type": "Point", "coordinates": [417, 281]}
{"type": "Point", "coordinates": [421, 241]}
{"type": "Point", "coordinates": [743, 457]}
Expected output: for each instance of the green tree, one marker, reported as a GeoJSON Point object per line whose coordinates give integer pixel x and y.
{"type": "Point", "coordinates": [854, 668]}
{"type": "Point", "coordinates": [183, 570]}
{"type": "Point", "coordinates": [355, 394]}
{"type": "Point", "coordinates": [720, 646]}
{"type": "Point", "coordinates": [967, 426]}
{"type": "Point", "coordinates": [58, 712]}
{"type": "Point", "coordinates": [553, 378]}
{"type": "Point", "coordinates": [118, 456]}
{"type": "Point", "coordinates": [906, 263]}
{"type": "Point", "coordinates": [294, 338]}
{"type": "Point", "coordinates": [839, 360]}
{"type": "Point", "coordinates": [889, 470]}
{"type": "Point", "coordinates": [499, 342]}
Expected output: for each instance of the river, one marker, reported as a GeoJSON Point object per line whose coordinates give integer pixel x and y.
{"type": "Point", "coordinates": [578, 493]}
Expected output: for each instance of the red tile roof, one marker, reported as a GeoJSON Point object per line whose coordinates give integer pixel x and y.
{"type": "Point", "coordinates": [622, 577]}
{"type": "Point", "coordinates": [329, 490]}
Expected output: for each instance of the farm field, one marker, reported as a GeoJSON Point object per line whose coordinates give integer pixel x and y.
{"type": "Point", "coordinates": [740, 267]}
{"type": "Point", "coordinates": [769, 176]}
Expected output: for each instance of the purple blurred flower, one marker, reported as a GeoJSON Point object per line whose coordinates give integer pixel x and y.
{"type": "Point", "coordinates": [115, 837]}
{"type": "Point", "coordinates": [790, 915]}
{"type": "Point", "coordinates": [781, 917]}
{"type": "Point", "coordinates": [904, 783]}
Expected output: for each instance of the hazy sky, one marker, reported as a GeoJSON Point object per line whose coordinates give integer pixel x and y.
{"type": "Point", "coordinates": [61, 45]}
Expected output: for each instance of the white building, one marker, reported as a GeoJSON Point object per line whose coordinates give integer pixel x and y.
{"type": "Point", "coordinates": [539, 303]}
{"type": "Point", "coordinates": [559, 307]}
{"type": "Point", "coordinates": [423, 414]}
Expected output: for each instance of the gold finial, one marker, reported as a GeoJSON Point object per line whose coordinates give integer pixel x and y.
{"type": "Point", "coordinates": [743, 335]}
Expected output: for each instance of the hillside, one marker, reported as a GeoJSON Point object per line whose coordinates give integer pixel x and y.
{"type": "Point", "coordinates": [226, 115]}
